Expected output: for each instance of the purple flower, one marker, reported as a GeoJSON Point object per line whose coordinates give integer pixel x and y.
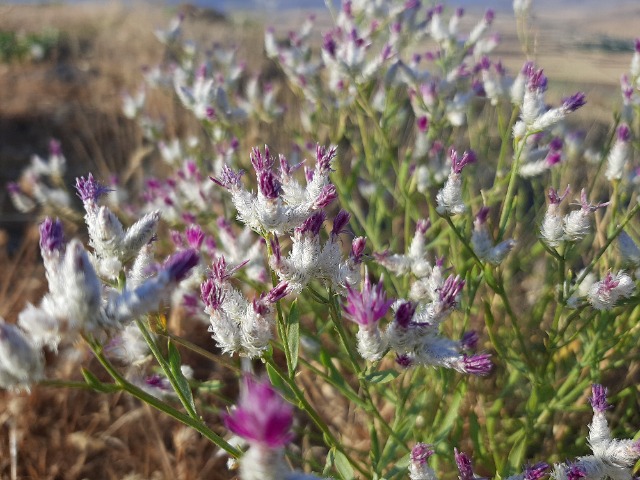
{"type": "Point", "coordinates": [340, 222]}
{"type": "Point", "coordinates": [261, 416]}
{"type": "Point", "coordinates": [366, 308]}
{"type": "Point", "coordinates": [55, 147]}
{"type": "Point", "coordinates": [458, 163]}
{"type": "Point", "coordinates": [180, 264]}
{"type": "Point", "coordinates": [357, 249]}
{"type": "Point", "coordinates": [89, 190]}
{"type": "Point", "coordinates": [482, 215]}
{"type": "Point", "coordinates": [13, 187]}
{"type": "Point", "coordinates": [329, 44]}
{"type": "Point", "coordinates": [212, 295]}
{"type": "Point", "coordinates": [51, 235]}
{"type": "Point", "coordinates": [469, 340]}
{"type": "Point", "coordinates": [228, 178]}
{"type": "Point", "coordinates": [537, 80]}
{"type": "Point", "coordinates": [554, 198]}
{"type": "Point", "coordinates": [422, 226]}
{"type": "Point", "coordinates": [268, 184]}
{"type": "Point", "coordinates": [313, 224]}
{"type": "Point", "coordinates": [489, 16]}
{"type": "Point", "coordinates": [624, 133]}
{"type": "Point", "coordinates": [158, 381]}
{"type": "Point", "coordinates": [464, 465]}
{"type": "Point", "coordinates": [575, 472]}
{"type": "Point", "coordinates": [194, 236]}
{"type": "Point", "coordinates": [278, 292]}
{"type": "Point", "coordinates": [449, 291]}
{"type": "Point", "coordinates": [574, 102]}
{"type": "Point", "coordinates": [421, 452]}
{"type": "Point", "coordinates": [599, 399]}
{"type": "Point", "coordinates": [423, 124]}
{"type": "Point", "coordinates": [404, 314]}
{"type": "Point", "coordinates": [324, 157]}
{"type": "Point", "coordinates": [535, 472]}
{"type": "Point", "coordinates": [404, 361]}
{"type": "Point", "coordinates": [327, 195]}
{"type": "Point", "coordinates": [477, 364]}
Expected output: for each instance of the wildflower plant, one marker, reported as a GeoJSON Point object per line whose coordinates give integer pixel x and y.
{"type": "Point", "coordinates": [442, 283]}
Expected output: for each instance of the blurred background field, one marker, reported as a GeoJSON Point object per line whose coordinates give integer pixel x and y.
{"type": "Point", "coordinates": [63, 69]}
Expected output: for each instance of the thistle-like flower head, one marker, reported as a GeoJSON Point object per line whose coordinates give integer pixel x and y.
{"type": "Point", "coordinates": [421, 452]}
{"type": "Point", "coordinates": [89, 190]}
{"type": "Point", "coordinates": [51, 235]}
{"type": "Point", "coordinates": [574, 102]}
{"type": "Point", "coordinates": [180, 264]}
{"type": "Point", "coordinates": [598, 399]}
{"type": "Point", "coordinates": [261, 416]}
{"type": "Point", "coordinates": [367, 307]}
{"type": "Point", "coordinates": [535, 471]}
{"type": "Point", "coordinates": [464, 465]}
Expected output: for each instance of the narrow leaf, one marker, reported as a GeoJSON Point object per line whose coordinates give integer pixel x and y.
{"type": "Point", "coordinates": [381, 376]}
{"type": "Point", "coordinates": [175, 364]}
{"type": "Point", "coordinates": [293, 337]}
{"type": "Point", "coordinates": [94, 382]}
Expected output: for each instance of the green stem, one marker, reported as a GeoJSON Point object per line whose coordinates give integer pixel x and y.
{"type": "Point", "coordinates": [304, 404]}
{"type": "Point", "coordinates": [508, 200]}
{"type": "Point", "coordinates": [195, 423]}
{"type": "Point", "coordinates": [337, 322]}
{"type": "Point", "coordinates": [202, 352]}
{"type": "Point", "coordinates": [155, 350]}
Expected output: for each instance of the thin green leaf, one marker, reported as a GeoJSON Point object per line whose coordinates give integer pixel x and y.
{"type": "Point", "coordinates": [516, 455]}
{"type": "Point", "coordinates": [280, 385]}
{"type": "Point", "coordinates": [175, 366]}
{"type": "Point", "coordinates": [381, 376]}
{"type": "Point", "coordinates": [293, 337]}
{"type": "Point", "coordinates": [343, 466]}
{"type": "Point", "coordinates": [94, 382]}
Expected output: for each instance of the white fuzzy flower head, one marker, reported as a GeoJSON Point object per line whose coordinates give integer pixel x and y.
{"type": "Point", "coordinates": [281, 204]}
{"type": "Point", "coordinates": [604, 294]}
{"type": "Point", "coordinates": [371, 345]}
{"type": "Point", "coordinates": [414, 260]}
{"type": "Point", "coordinates": [552, 228]}
{"type": "Point", "coordinates": [449, 199]}
{"type": "Point", "coordinates": [612, 458]}
{"type": "Point", "coordinates": [577, 224]}
{"type": "Point", "coordinates": [238, 325]}
{"type": "Point", "coordinates": [619, 154]}
{"type": "Point", "coordinates": [419, 468]}
{"type": "Point", "coordinates": [129, 346]}
{"type": "Point", "coordinates": [21, 363]}
{"type": "Point", "coordinates": [309, 259]}
{"type": "Point", "coordinates": [482, 243]}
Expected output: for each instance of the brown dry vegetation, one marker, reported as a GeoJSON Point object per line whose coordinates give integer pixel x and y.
{"type": "Point", "coordinates": [74, 96]}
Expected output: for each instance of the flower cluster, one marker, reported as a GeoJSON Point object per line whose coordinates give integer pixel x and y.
{"type": "Point", "coordinates": [414, 334]}
{"type": "Point", "coordinates": [42, 183]}
{"type": "Point", "coordinates": [611, 458]}
{"type": "Point", "coordinates": [574, 226]}
{"type": "Point", "coordinates": [238, 325]}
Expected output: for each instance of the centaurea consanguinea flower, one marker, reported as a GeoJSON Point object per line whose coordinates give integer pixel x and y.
{"type": "Point", "coordinates": [261, 416]}
{"type": "Point", "coordinates": [604, 294]}
{"type": "Point", "coordinates": [366, 308]}
{"type": "Point", "coordinates": [449, 198]}
{"type": "Point", "coordinates": [418, 468]}
{"type": "Point", "coordinates": [611, 458]}
{"type": "Point", "coordinates": [552, 228]}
